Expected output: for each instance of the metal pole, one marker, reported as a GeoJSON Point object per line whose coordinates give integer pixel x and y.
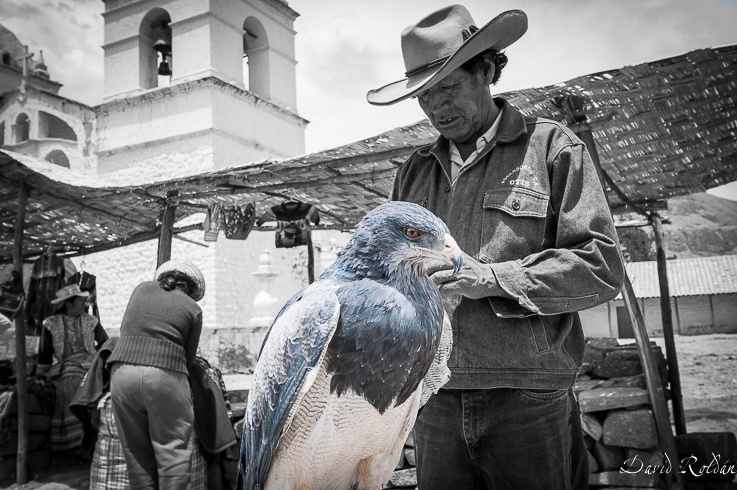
{"type": "Point", "coordinates": [20, 345]}
{"type": "Point", "coordinates": [674, 376]}
{"type": "Point", "coordinates": [167, 225]}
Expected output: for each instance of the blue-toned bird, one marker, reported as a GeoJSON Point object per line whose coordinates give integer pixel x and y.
{"type": "Point", "coordinates": [349, 359]}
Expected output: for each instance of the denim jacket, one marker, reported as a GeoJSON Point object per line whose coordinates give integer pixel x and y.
{"type": "Point", "coordinates": [532, 208]}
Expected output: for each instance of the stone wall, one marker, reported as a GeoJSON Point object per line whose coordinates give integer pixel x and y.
{"type": "Point", "coordinates": [617, 417]}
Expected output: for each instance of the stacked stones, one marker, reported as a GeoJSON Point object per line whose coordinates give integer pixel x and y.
{"type": "Point", "coordinates": [617, 418]}
{"type": "Point", "coordinates": [405, 475]}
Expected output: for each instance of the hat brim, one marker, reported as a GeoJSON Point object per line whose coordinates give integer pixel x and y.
{"type": "Point", "coordinates": [502, 31]}
{"type": "Point", "coordinates": [58, 301]}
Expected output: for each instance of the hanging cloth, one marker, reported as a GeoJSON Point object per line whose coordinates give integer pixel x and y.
{"type": "Point", "coordinates": [214, 221]}
{"type": "Point", "coordinates": [239, 221]}
{"type": "Point", "coordinates": [47, 277]}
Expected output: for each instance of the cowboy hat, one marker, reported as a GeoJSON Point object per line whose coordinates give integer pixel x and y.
{"type": "Point", "coordinates": [188, 269]}
{"type": "Point", "coordinates": [442, 42]}
{"type": "Point", "coordinates": [68, 292]}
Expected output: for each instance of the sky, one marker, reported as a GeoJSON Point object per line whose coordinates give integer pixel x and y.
{"type": "Point", "coordinates": [346, 47]}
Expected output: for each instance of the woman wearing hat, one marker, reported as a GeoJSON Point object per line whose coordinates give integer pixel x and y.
{"type": "Point", "coordinates": [71, 338]}
{"type": "Point", "coordinates": [150, 389]}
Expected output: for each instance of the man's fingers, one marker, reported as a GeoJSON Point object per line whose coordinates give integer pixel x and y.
{"type": "Point", "coordinates": [441, 277]}
{"type": "Point", "coordinates": [439, 266]}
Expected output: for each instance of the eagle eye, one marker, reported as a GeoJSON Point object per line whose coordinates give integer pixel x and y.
{"type": "Point", "coordinates": [412, 233]}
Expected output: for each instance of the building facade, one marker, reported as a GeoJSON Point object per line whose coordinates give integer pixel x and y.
{"type": "Point", "coordinates": [190, 86]}
{"type": "Point", "coordinates": [703, 299]}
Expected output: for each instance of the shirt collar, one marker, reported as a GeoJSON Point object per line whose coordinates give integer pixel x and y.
{"type": "Point", "coordinates": [455, 156]}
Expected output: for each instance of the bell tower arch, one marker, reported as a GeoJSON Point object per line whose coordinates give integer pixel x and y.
{"type": "Point", "coordinates": [154, 48]}
{"type": "Point", "coordinates": [256, 57]}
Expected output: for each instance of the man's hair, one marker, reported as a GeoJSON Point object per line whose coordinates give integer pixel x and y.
{"type": "Point", "coordinates": [476, 64]}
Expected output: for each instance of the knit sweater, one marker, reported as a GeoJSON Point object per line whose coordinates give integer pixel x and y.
{"type": "Point", "coordinates": [160, 328]}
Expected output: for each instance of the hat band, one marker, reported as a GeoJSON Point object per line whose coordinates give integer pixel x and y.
{"type": "Point", "coordinates": [466, 33]}
{"type": "Point", "coordinates": [438, 61]}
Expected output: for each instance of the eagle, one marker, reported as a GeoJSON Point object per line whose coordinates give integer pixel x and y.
{"type": "Point", "coordinates": [339, 379]}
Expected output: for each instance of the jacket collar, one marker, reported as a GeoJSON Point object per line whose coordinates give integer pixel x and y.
{"type": "Point", "coordinates": [511, 127]}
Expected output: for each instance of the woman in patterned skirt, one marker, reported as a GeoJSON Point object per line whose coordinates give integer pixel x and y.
{"type": "Point", "coordinates": [68, 344]}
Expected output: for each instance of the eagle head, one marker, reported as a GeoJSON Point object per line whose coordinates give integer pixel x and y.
{"type": "Point", "coordinates": [401, 236]}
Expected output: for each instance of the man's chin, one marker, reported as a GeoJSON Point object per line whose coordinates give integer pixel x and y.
{"type": "Point", "coordinates": [454, 135]}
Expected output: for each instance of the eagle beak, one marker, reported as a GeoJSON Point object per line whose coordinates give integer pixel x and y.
{"type": "Point", "coordinates": [453, 253]}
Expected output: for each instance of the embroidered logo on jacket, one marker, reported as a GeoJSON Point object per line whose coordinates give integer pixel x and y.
{"type": "Point", "coordinates": [529, 179]}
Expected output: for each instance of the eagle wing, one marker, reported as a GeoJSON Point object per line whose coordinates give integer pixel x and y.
{"type": "Point", "coordinates": [287, 367]}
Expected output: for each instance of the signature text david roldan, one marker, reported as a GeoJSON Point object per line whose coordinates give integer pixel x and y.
{"type": "Point", "coordinates": [689, 464]}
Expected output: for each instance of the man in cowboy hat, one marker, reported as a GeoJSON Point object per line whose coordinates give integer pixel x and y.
{"type": "Point", "coordinates": [522, 197]}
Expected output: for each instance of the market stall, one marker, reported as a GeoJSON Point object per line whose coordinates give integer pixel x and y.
{"type": "Point", "coordinates": [657, 130]}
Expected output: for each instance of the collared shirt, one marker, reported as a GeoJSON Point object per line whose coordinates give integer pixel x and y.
{"type": "Point", "coordinates": [457, 162]}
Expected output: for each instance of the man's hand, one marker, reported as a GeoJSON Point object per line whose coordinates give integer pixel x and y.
{"type": "Point", "coordinates": [475, 280]}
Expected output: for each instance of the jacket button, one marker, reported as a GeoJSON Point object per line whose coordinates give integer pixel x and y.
{"type": "Point", "coordinates": [515, 205]}
{"type": "Point", "coordinates": [447, 188]}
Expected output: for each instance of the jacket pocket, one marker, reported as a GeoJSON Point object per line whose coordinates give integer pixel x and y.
{"type": "Point", "coordinates": [513, 223]}
{"type": "Point", "coordinates": [517, 201]}
{"type": "Point", "coordinates": [538, 334]}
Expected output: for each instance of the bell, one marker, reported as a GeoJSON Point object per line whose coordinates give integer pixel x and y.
{"type": "Point", "coordinates": [162, 44]}
{"type": "Point", "coordinates": [164, 69]}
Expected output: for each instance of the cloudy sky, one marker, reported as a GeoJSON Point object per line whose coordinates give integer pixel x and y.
{"type": "Point", "coordinates": [346, 47]}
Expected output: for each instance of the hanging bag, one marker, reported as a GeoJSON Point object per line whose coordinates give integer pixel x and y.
{"type": "Point", "coordinates": [239, 221]}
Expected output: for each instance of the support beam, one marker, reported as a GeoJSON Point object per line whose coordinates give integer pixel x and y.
{"type": "Point", "coordinates": [654, 386]}
{"type": "Point", "coordinates": [310, 260]}
{"type": "Point", "coordinates": [20, 345]}
{"type": "Point", "coordinates": [167, 227]}
{"type": "Point", "coordinates": [674, 376]}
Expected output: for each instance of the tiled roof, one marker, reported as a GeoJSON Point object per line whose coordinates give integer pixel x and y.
{"type": "Point", "coordinates": [686, 277]}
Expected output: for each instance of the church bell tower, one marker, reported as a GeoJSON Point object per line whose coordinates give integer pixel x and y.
{"type": "Point", "coordinates": [196, 85]}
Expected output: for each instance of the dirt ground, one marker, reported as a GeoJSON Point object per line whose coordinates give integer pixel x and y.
{"type": "Point", "coordinates": [708, 372]}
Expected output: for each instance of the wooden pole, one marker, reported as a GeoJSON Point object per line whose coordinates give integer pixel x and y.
{"type": "Point", "coordinates": [21, 470]}
{"type": "Point", "coordinates": [310, 259]}
{"type": "Point", "coordinates": [167, 225]}
{"type": "Point", "coordinates": [674, 376]}
{"type": "Point", "coordinates": [654, 386]}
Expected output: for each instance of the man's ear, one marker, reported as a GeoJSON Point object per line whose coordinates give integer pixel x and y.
{"type": "Point", "coordinates": [489, 70]}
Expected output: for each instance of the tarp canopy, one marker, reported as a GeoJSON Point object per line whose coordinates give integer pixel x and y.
{"type": "Point", "coordinates": [662, 129]}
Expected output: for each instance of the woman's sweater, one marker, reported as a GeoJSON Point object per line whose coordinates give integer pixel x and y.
{"type": "Point", "coordinates": [160, 328]}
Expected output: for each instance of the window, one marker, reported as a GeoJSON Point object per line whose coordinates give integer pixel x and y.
{"type": "Point", "coordinates": [22, 128]}
{"type": "Point", "coordinates": [51, 126]}
{"type": "Point", "coordinates": [58, 157]}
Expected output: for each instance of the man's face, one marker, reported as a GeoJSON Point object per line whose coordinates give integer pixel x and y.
{"type": "Point", "coordinates": [458, 106]}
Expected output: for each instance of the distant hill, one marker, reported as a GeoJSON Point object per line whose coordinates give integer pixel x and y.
{"type": "Point", "coordinates": [701, 225]}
